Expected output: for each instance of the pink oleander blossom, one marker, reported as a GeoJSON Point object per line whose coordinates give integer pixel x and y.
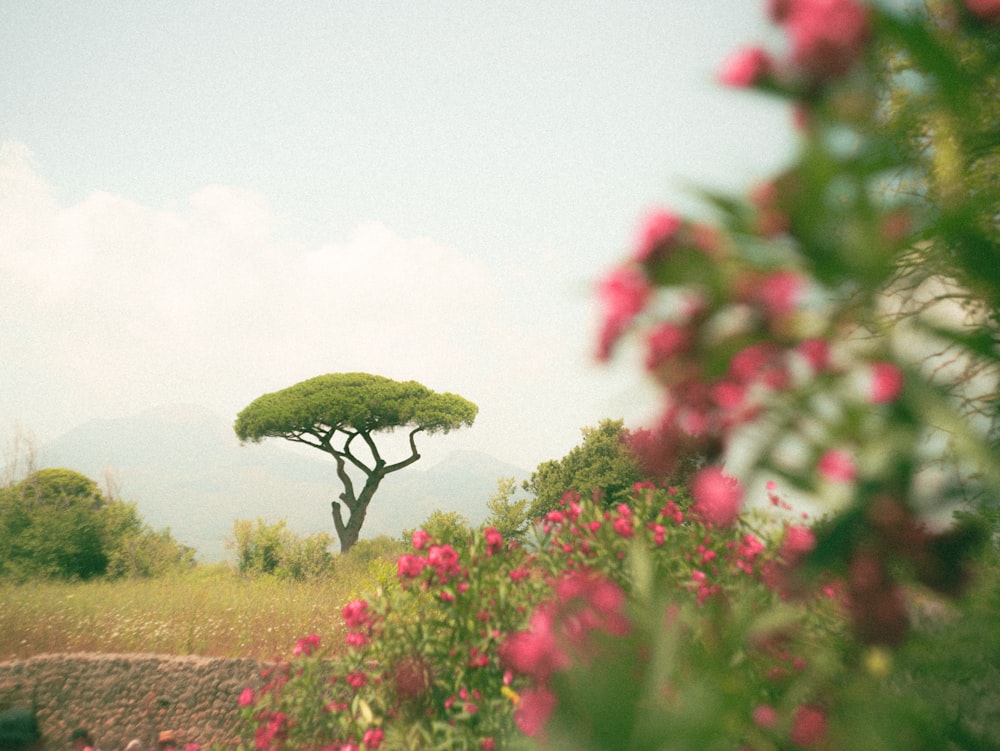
{"type": "Point", "coordinates": [798, 541]}
{"type": "Point", "coordinates": [306, 645]}
{"type": "Point", "coordinates": [494, 540]}
{"type": "Point", "coordinates": [886, 383]}
{"type": "Point", "coordinates": [745, 67]}
{"type": "Point", "coordinates": [781, 293]}
{"type": "Point", "coordinates": [984, 10]}
{"type": "Point", "coordinates": [816, 353]}
{"type": "Point", "coordinates": [536, 651]}
{"type": "Point", "coordinates": [410, 566]}
{"type": "Point", "coordinates": [718, 497]}
{"type": "Point", "coordinates": [765, 716]}
{"type": "Point", "coordinates": [420, 539]}
{"type": "Point", "coordinates": [533, 710]}
{"type": "Point", "coordinates": [658, 229]}
{"type": "Point", "coordinates": [836, 465]}
{"type": "Point", "coordinates": [667, 340]}
{"type": "Point", "coordinates": [373, 737]}
{"type": "Point", "coordinates": [827, 36]}
{"type": "Point", "coordinates": [355, 614]}
{"type": "Point", "coordinates": [623, 294]}
{"type": "Point", "coordinates": [247, 697]}
{"type": "Point", "coordinates": [808, 726]}
{"type": "Point", "coordinates": [444, 558]}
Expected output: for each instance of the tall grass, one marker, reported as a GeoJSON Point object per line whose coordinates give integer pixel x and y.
{"type": "Point", "coordinates": [209, 611]}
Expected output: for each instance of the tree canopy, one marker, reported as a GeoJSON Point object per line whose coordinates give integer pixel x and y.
{"type": "Point", "coordinates": [330, 412]}
{"type": "Point", "coordinates": [604, 463]}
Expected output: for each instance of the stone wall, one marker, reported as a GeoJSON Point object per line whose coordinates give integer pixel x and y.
{"type": "Point", "coordinates": [121, 697]}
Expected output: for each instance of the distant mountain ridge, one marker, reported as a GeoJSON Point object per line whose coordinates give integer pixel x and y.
{"type": "Point", "coordinates": [185, 469]}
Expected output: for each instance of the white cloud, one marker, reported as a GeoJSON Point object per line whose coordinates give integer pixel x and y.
{"type": "Point", "coordinates": [112, 307]}
{"type": "Point", "coordinates": [124, 303]}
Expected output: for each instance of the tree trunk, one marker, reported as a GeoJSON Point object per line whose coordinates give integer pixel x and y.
{"type": "Point", "coordinates": [348, 532]}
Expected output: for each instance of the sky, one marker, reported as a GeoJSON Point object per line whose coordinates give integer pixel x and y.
{"type": "Point", "coordinates": [203, 202]}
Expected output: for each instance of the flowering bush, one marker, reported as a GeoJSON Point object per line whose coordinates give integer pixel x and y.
{"type": "Point", "coordinates": [465, 650]}
{"type": "Point", "coordinates": [783, 340]}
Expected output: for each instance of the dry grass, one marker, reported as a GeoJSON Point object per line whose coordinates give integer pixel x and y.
{"type": "Point", "coordinates": [207, 612]}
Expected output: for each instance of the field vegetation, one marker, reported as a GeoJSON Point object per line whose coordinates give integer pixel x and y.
{"type": "Point", "coordinates": [209, 610]}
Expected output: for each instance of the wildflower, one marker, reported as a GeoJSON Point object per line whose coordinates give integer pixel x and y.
{"type": "Point", "coordinates": [718, 497]}
{"type": "Point", "coordinates": [745, 68]}
{"type": "Point", "coordinates": [247, 697]}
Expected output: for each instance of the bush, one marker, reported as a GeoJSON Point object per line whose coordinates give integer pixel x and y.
{"type": "Point", "coordinates": [263, 548]}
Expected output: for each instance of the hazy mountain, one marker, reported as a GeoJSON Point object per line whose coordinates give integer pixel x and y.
{"type": "Point", "coordinates": [185, 469]}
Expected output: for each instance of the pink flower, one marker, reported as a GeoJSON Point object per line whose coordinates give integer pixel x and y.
{"type": "Point", "coordinates": [356, 679]}
{"type": "Point", "coordinates": [623, 526]}
{"type": "Point", "coordinates": [837, 466]}
{"type": "Point", "coordinates": [444, 558]}
{"type": "Point", "coordinates": [886, 383]}
{"type": "Point", "coordinates": [623, 293]}
{"type": "Point", "coordinates": [306, 645]}
{"type": "Point", "coordinates": [355, 639]}
{"type": "Point", "coordinates": [816, 353]}
{"type": "Point", "coordinates": [779, 293]}
{"type": "Point", "coordinates": [372, 738]}
{"type": "Point", "coordinates": [535, 651]}
{"type": "Point", "coordinates": [410, 566]}
{"type": "Point", "coordinates": [420, 539]}
{"type": "Point", "coordinates": [533, 710]}
{"type": "Point", "coordinates": [666, 341]}
{"type": "Point", "coordinates": [718, 497]}
{"type": "Point", "coordinates": [745, 67]}
{"type": "Point", "coordinates": [760, 361]}
{"type": "Point", "coordinates": [355, 613]}
{"type": "Point", "coordinates": [247, 697]}
{"type": "Point", "coordinates": [827, 36]}
{"type": "Point", "coordinates": [985, 10]}
{"type": "Point", "coordinates": [765, 716]}
{"type": "Point", "coordinates": [658, 229]}
{"type": "Point", "coordinates": [808, 726]}
{"type": "Point", "coordinates": [494, 540]}
{"type": "Point", "coordinates": [798, 541]}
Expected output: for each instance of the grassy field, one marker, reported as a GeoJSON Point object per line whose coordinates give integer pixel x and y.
{"type": "Point", "coordinates": [210, 611]}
